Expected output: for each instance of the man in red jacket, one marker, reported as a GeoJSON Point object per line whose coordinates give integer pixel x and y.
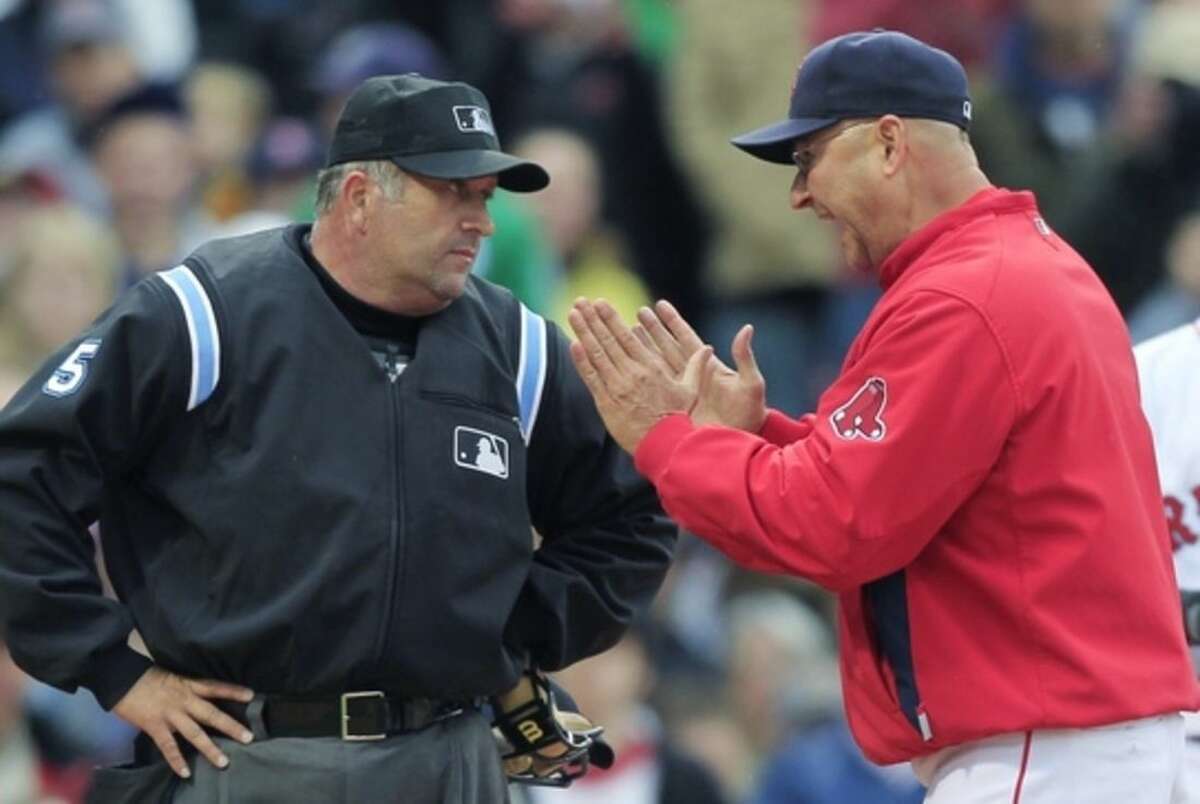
{"type": "Point", "coordinates": [978, 485]}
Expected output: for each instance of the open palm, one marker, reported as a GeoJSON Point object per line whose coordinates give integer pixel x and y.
{"type": "Point", "coordinates": [729, 397]}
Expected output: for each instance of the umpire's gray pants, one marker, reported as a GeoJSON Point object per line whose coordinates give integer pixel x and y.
{"type": "Point", "coordinates": [454, 761]}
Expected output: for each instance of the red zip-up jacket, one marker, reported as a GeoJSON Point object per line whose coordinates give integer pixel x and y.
{"type": "Point", "coordinates": [978, 486]}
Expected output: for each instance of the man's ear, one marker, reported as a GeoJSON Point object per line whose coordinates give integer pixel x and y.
{"type": "Point", "coordinates": [893, 135]}
{"type": "Point", "coordinates": [357, 198]}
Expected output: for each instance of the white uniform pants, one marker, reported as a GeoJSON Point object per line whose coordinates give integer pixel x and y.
{"type": "Point", "coordinates": [1134, 762]}
{"type": "Point", "coordinates": [1191, 755]}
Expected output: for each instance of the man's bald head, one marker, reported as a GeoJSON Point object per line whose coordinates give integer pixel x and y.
{"type": "Point", "coordinates": [939, 146]}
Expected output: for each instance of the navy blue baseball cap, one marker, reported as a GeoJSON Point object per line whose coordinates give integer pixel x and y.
{"type": "Point", "coordinates": [441, 129]}
{"type": "Point", "coordinates": [865, 75]}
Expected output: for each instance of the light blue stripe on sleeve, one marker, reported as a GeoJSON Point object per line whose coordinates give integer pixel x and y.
{"type": "Point", "coordinates": [531, 369]}
{"type": "Point", "coordinates": [203, 335]}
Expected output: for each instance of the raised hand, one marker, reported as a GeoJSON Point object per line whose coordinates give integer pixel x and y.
{"type": "Point", "coordinates": [727, 397]}
{"type": "Point", "coordinates": [733, 398]}
{"type": "Point", "coordinates": [669, 333]}
{"type": "Point", "coordinates": [633, 384]}
{"type": "Point", "coordinates": [163, 704]}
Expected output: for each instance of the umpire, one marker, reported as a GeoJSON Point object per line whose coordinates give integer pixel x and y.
{"type": "Point", "coordinates": [316, 457]}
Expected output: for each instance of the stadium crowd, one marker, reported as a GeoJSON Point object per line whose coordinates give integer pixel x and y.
{"type": "Point", "coordinates": [133, 130]}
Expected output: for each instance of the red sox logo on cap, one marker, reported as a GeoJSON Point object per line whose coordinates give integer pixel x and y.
{"type": "Point", "coordinates": [862, 416]}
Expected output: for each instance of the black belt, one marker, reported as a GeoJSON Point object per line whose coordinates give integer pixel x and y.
{"type": "Point", "coordinates": [368, 715]}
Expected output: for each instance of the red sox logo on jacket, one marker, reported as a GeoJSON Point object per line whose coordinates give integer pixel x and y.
{"type": "Point", "coordinates": [862, 416]}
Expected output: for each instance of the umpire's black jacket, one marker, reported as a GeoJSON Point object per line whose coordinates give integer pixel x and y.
{"type": "Point", "coordinates": [277, 512]}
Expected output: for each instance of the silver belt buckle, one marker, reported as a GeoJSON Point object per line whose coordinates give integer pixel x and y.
{"type": "Point", "coordinates": [345, 700]}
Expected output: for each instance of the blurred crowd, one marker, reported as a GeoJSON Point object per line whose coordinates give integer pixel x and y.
{"type": "Point", "coordinates": [133, 130]}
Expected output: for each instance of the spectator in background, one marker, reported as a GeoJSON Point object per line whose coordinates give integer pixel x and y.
{"type": "Point", "coordinates": [143, 150]}
{"type": "Point", "coordinates": [1039, 122]}
{"type": "Point", "coordinates": [279, 174]}
{"type": "Point", "coordinates": [650, 768]}
{"type": "Point", "coordinates": [654, 28]}
{"type": "Point", "coordinates": [279, 38]}
{"type": "Point", "coordinates": [90, 65]}
{"type": "Point", "coordinates": [38, 764]}
{"type": "Point", "coordinates": [766, 265]}
{"type": "Point", "coordinates": [590, 256]}
{"type": "Point", "coordinates": [966, 28]}
{"type": "Point", "coordinates": [786, 692]}
{"type": "Point", "coordinates": [281, 166]}
{"type": "Point", "coordinates": [362, 51]}
{"type": "Point", "coordinates": [63, 273]}
{"type": "Point", "coordinates": [573, 65]}
{"type": "Point", "coordinates": [1151, 173]}
{"type": "Point", "coordinates": [517, 256]}
{"type": "Point", "coordinates": [20, 192]}
{"type": "Point", "coordinates": [162, 35]}
{"type": "Point", "coordinates": [781, 670]}
{"type": "Point", "coordinates": [228, 105]}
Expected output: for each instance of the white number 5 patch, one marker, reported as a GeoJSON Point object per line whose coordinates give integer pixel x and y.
{"type": "Point", "coordinates": [69, 376]}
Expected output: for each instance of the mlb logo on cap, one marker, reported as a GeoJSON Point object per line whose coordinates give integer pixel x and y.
{"type": "Point", "coordinates": [439, 129]}
{"type": "Point", "coordinates": [473, 118]}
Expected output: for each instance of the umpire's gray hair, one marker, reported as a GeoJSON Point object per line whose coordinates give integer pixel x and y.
{"type": "Point", "coordinates": [384, 173]}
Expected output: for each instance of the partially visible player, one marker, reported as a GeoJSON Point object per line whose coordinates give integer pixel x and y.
{"type": "Point", "coordinates": [1169, 374]}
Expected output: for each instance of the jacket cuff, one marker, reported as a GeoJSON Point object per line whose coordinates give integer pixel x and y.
{"type": "Point", "coordinates": [114, 672]}
{"type": "Point", "coordinates": [658, 445]}
{"type": "Point", "coordinates": [776, 427]}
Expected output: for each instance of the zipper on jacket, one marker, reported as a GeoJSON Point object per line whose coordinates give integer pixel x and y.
{"type": "Point", "coordinates": [395, 529]}
{"type": "Point", "coordinates": [923, 723]}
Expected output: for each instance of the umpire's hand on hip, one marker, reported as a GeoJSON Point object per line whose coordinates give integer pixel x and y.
{"type": "Point", "coordinates": [162, 704]}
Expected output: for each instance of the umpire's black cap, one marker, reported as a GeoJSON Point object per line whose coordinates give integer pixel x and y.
{"type": "Point", "coordinates": [865, 75]}
{"type": "Point", "coordinates": [433, 128]}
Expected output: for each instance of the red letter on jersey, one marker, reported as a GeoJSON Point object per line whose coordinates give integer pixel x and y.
{"type": "Point", "coordinates": [1181, 534]}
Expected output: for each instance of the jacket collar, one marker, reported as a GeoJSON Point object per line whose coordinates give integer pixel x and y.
{"type": "Point", "coordinates": [989, 201]}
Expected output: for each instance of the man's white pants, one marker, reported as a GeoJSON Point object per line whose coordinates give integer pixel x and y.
{"type": "Point", "coordinates": [1134, 762]}
{"type": "Point", "coordinates": [1191, 755]}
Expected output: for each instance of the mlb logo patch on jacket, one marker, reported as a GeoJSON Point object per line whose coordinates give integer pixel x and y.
{"type": "Point", "coordinates": [481, 451]}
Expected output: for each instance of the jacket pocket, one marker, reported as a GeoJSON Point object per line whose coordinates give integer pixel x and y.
{"type": "Point", "coordinates": [886, 620]}
{"type": "Point", "coordinates": [460, 401]}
